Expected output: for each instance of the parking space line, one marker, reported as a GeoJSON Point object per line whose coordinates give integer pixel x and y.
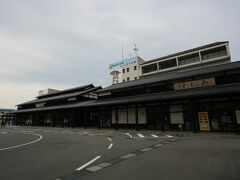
{"type": "Point", "coordinates": [141, 136]}
{"type": "Point", "coordinates": [146, 149]}
{"type": "Point", "coordinates": [128, 156]}
{"type": "Point", "coordinates": [110, 146]}
{"type": "Point", "coordinates": [169, 136]}
{"type": "Point", "coordinates": [88, 163]}
{"type": "Point", "coordinates": [104, 164]}
{"type": "Point", "coordinates": [153, 135]}
{"type": "Point", "coordinates": [158, 145]}
{"type": "Point", "coordinates": [109, 139]}
{"type": "Point", "coordinates": [94, 168]}
{"type": "Point", "coordinates": [129, 135]}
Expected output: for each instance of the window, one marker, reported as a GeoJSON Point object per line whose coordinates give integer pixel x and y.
{"type": "Point", "coordinates": [127, 69]}
{"type": "Point", "coordinates": [167, 64]}
{"type": "Point", "coordinates": [149, 68]}
{"type": "Point", "coordinates": [214, 53]}
{"type": "Point", "coordinates": [128, 79]}
{"type": "Point", "coordinates": [188, 59]}
{"type": "Point", "coordinates": [123, 71]}
{"type": "Point", "coordinates": [135, 68]}
{"type": "Point", "coordinates": [135, 78]}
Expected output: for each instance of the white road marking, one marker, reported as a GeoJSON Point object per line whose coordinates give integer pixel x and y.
{"type": "Point", "coordinates": [99, 134]}
{"type": "Point", "coordinates": [110, 146]}
{"type": "Point", "coordinates": [128, 156]}
{"type": "Point", "coordinates": [94, 168]}
{"type": "Point", "coordinates": [109, 139]}
{"type": "Point", "coordinates": [146, 149]}
{"type": "Point", "coordinates": [129, 135]}
{"type": "Point", "coordinates": [169, 136]}
{"type": "Point", "coordinates": [104, 164]}
{"type": "Point", "coordinates": [140, 135]}
{"type": "Point", "coordinates": [4, 132]}
{"type": "Point", "coordinates": [153, 135]}
{"type": "Point", "coordinates": [88, 163]}
{"type": "Point", "coordinates": [20, 145]}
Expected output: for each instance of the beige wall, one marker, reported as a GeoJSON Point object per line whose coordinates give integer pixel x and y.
{"type": "Point", "coordinates": [132, 73]}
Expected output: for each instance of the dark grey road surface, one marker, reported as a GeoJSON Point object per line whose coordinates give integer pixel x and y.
{"type": "Point", "coordinates": [55, 153]}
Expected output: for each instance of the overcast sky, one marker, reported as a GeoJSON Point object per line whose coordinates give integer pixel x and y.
{"type": "Point", "coordinates": [61, 44]}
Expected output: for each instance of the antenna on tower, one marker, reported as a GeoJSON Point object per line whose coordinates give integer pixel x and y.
{"type": "Point", "coordinates": [135, 49]}
{"type": "Point", "coordinates": [122, 51]}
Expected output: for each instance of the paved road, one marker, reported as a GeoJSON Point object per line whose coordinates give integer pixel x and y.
{"type": "Point", "coordinates": [64, 153]}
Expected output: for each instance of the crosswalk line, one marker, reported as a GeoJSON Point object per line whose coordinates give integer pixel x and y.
{"type": "Point", "coordinates": [155, 136]}
{"type": "Point", "coordinates": [141, 136]}
{"type": "Point", "coordinates": [129, 135]}
{"type": "Point", "coordinates": [169, 136]}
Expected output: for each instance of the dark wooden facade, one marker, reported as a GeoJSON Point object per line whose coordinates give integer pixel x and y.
{"type": "Point", "coordinates": [152, 103]}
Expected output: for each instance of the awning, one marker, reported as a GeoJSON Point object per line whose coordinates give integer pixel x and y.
{"type": "Point", "coordinates": [76, 105]}
{"type": "Point", "coordinates": [210, 91]}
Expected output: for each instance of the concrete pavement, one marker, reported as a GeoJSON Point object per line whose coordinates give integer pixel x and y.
{"type": "Point", "coordinates": [108, 154]}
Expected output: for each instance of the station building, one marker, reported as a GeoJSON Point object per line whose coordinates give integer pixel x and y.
{"type": "Point", "coordinates": [193, 90]}
{"type": "Point", "coordinates": [62, 108]}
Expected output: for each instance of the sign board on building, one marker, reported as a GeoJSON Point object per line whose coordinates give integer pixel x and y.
{"type": "Point", "coordinates": [203, 121]}
{"type": "Point", "coordinates": [39, 105]}
{"type": "Point", "coordinates": [72, 99]}
{"type": "Point", "coordinates": [195, 84]}
{"type": "Point", "coordinates": [238, 116]}
{"type": "Point", "coordinates": [127, 61]}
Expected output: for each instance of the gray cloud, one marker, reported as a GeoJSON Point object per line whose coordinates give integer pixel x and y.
{"type": "Point", "coordinates": [60, 44]}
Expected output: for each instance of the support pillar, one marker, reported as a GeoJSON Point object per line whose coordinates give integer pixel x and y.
{"type": "Point", "coordinates": [136, 116]}
{"type": "Point", "coordinates": [99, 118]}
{"type": "Point", "coordinates": [116, 118]}
{"type": "Point", "coordinates": [194, 115]}
{"type": "Point", "coordinates": [85, 112]}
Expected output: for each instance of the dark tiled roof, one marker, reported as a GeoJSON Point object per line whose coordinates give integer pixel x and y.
{"type": "Point", "coordinates": [79, 104]}
{"type": "Point", "coordinates": [174, 76]}
{"type": "Point", "coordinates": [187, 51]}
{"type": "Point", "coordinates": [60, 96]}
{"type": "Point", "coordinates": [79, 88]}
{"type": "Point", "coordinates": [210, 91]}
{"type": "Point", "coordinates": [227, 89]}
